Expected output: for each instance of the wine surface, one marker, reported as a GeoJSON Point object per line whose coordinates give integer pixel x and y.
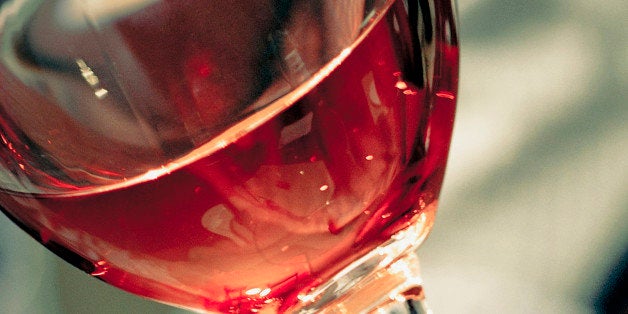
{"type": "Point", "coordinates": [281, 207]}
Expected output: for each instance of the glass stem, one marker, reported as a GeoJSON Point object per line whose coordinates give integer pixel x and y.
{"type": "Point", "coordinates": [386, 280]}
{"type": "Point", "coordinates": [394, 289]}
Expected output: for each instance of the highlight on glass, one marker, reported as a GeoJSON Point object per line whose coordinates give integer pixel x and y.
{"type": "Point", "coordinates": [231, 156]}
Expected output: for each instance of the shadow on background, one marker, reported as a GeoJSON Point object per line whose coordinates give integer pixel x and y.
{"type": "Point", "coordinates": [613, 296]}
{"type": "Point", "coordinates": [498, 20]}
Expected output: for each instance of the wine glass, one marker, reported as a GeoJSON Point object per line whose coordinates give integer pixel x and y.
{"type": "Point", "coordinates": [231, 156]}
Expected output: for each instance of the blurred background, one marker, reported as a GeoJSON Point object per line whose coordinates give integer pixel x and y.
{"type": "Point", "coordinates": [534, 212]}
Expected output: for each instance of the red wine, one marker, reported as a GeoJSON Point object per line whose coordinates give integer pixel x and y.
{"type": "Point", "coordinates": [283, 206]}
